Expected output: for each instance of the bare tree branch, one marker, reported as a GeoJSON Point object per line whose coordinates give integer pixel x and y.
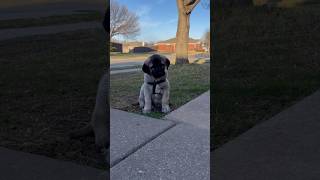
{"type": "Point", "coordinates": [191, 5]}
{"type": "Point", "coordinates": [206, 39]}
{"type": "Point", "coordinates": [122, 21]}
{"type": "Point", "coordinates": [188, 2]}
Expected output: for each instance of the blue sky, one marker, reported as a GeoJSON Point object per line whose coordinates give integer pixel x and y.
{"type": "Point", "coordinates": [158, 19]}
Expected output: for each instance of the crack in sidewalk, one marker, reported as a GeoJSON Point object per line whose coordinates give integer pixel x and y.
{"type": "Point", "coordinates": [141, 145]}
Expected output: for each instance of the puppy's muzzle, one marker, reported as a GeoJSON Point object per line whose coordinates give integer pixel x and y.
{"type": "Point", "coordinates": [158, 71]}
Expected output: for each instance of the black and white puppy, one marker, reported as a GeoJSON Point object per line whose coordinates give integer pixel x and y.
{"type": "Point", "coordinates": [155, 90]}
{"type": "Point", "coordinates": [100, 120]}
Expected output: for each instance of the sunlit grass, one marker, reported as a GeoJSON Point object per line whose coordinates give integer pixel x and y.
{"type": "Point", "coordinates": [187, 82]}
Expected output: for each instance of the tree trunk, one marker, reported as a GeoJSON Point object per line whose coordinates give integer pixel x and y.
{"type": "Point", "coordinates": [182, 36]}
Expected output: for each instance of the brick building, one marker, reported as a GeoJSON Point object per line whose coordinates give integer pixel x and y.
{"type": "Point", "coordinates": [170, 45]}
{"type": "Point", "coordinates": [130, 47]}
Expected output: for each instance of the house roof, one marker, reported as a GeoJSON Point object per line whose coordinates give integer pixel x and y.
{"type": "Point", "coordinates": [132, 43]}
{"type": "Point", "coordinates": [173, 40]}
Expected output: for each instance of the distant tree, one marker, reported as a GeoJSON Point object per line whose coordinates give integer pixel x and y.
{"type": "Point", "coordinates": [206, 39]}
{"type": "Point", "coordinates": [185, 8]}
{"type": "Point", "coordinates": [122, 21]}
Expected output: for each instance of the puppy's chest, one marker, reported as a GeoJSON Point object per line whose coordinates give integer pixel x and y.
{"type": "Point", "coordinates": [157, 94]}
{"type": "Point", "coordinates": [159, 89]}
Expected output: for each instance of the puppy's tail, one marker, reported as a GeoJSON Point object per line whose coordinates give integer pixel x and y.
{"type": "Point", "coordinates": [85, 131]}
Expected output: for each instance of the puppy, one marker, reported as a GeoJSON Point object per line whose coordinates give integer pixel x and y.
{"type": "Point", "coordinates": [100, 120]}
{"type": "Point", "coordinates": [155, 90]}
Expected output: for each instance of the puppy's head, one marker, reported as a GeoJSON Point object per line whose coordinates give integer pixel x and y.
{"type": "Point", "coordinates": [156, 66]}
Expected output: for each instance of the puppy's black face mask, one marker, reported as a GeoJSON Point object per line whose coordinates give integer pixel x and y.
{"type": "Point", "coordinates": [157, 70]}
{"type": "Point", "coordinates": [157, 66]}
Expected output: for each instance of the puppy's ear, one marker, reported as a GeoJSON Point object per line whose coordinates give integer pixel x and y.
{"type": "Point", "coordinates": [167, 63]}
{"type": "Point", "coordinates": [145, 69]}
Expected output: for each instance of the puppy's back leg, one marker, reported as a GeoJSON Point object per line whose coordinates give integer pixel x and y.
{"type": "Point", "coordinates": [100, 119]}
{"type": "Point", "coordinates": [99, 122]}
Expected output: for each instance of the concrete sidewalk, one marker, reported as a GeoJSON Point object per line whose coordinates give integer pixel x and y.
{"type": "Point", "coordinates": [195, 112]}
{"type": "Point", "coordinates": [285, 147]}
{"type": "Point", "coordinates": [141, 148]}
{"type": "Point", "coordinates": [53, 29]}
{"type": "Point", "coordinates": [131, 66]}
{"type": "Point", "coordinates": [15, 165]}
{"type": "Point", "coordinates": [117, 68]}
{"type": "Point", "coordinates": [125, 71]}
{"type": "Point", "coordinates": [131, 131]}
{"type": "Point", "coordinates": [133, 61]}
{"type": "Point", "coordinates": [182, 152]}
{"type": "Point", "coordinates": [161, 149]}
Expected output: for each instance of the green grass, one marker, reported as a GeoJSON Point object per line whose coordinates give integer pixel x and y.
{"type": "Point", "coordinates": [51, 20]}
{"type": "Point", "coordinates": [263, 63]}
{"type": "Point", "coordinates": [187, 82]}
{"type": "Point", "coordinates": [48, 86]}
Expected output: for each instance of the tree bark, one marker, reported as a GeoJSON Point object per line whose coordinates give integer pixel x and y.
{"type": "Point", "coordinates": [182, 36]}
{"type": "Point", "coordinates": [185, 8]}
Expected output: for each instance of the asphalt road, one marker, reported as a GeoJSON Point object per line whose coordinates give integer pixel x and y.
{"type": "Point", "coordinates": [18, 9]}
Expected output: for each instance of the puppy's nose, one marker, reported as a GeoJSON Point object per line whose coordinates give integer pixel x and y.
{"type": "Point", "coordinates": [158, 74]}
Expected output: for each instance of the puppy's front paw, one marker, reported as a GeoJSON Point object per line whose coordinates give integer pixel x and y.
{"type": "Point", "coordinates": [165, 109]}
{"type": "Point", "coordinates": [145, 111]}
{"type": "Point", "coordinates": [141, 105]}
{"type": "Point", "coordinates": [101, 141]}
